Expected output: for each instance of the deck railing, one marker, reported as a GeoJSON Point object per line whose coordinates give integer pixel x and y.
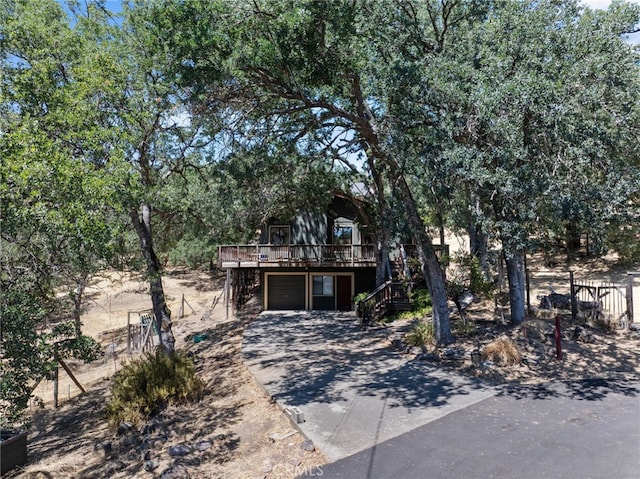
{"type": "Point", "coordinates": [318, 254]}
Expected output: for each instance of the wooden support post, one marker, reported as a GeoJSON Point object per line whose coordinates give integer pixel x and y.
{"type": "Point", "coordinates": [630, 277]}
{"type": "Point", "coordinates": [528, 289]}
{"type": "Point", "coordinates": [55, 389]}
{"type": "Point", "coordinates": [73, 378]}
{"type": "Point", "coordinates": [226, 293]}
{"type": "Point", "coordinates": [558, 335]}
{"type": "Point", "coordinates": [129, 332]}
{"type": "Point", "coordinates": [574, 299]}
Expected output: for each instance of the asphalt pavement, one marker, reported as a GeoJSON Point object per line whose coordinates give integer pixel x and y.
{"type": "Point", "coordinates": [375, 414]}
{"type": "Point", "coordinates": [579, 430]}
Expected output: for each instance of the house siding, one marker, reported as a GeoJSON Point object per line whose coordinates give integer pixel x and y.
{"type": "Point", "coordinates": [284, 290]}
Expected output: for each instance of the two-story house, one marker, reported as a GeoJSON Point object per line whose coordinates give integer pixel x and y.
{"type": "Point", "coordinates": [315, 261]}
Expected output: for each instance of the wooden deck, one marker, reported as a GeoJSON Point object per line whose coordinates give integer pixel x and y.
{"type": "Point", "coordinates": [287, 256]}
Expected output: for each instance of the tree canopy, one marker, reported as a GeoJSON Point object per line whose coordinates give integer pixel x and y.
{"type": "Point", "coordinates": [180, 125]}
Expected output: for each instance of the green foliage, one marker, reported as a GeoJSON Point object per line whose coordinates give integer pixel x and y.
{"type": "Point", "coordinates": [421, 300]}
{"type": "Point", "coordinates": [625, 241]}
{"type": "Point", "coordinates": [467, 275]}
{"type": "Point", "coordinates": [147, 384]}
{"type": "Point", "coordinates": [421, 307]}
{"type": "Point", "coordinates": [193, 252]}
{"type": "Point", "coordinates": [30, 352]}
{"type": "Point", "coordinates": [463, 329]}
{"type": "Point", "coordinates": [420, 334]}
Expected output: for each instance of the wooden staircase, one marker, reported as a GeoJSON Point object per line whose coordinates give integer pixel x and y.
{"type": "Point", "coordinates": [389, 297]}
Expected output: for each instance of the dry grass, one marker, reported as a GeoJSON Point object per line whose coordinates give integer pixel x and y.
{"type": "Point", "coordinates": [235, 415]}
{"type": "Point", "coordinates": [502, 351]}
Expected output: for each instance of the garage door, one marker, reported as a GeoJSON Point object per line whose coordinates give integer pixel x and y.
{"type": "Point", "coordinates": [286, 292]}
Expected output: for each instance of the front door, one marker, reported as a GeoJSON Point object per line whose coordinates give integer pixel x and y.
{"type": "Point", "coordinates": [343, 293]}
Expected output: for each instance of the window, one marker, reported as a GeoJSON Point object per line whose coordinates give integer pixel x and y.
{"type": "Point", "coordinates": [323, 285]}
{"type": "Point", "coordinates": [342, 234]}
{"type": "Point", "coordinates": [279, 235]}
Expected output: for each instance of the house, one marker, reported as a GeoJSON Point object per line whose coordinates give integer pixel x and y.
{"type": "Point", "coordinates": [315, 261]}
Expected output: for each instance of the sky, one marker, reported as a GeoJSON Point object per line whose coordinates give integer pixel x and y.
{"type": "Point", "coordinates": [114, 5]}
{"type": "Point", "coordinates": [603, 4]}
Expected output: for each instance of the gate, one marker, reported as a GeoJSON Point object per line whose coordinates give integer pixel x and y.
{"type": "Point", "coordinates": [633, 297]}
{"type": "Point", "coordinates": [606, 302]}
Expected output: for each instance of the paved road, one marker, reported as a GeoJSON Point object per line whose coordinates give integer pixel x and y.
{"type": "Point", "coordinates": [573, 430]}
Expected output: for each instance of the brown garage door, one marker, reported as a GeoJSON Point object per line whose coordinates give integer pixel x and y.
{"type": "Point", "coordinates": [286, 292]}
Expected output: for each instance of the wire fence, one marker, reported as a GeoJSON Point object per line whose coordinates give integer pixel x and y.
{"type": "Point", "coordinates": [115, 355]}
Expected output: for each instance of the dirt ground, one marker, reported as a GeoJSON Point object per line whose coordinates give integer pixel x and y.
{"type": "Point", "coordinates": [595, 345]}
{"type": "Point", "coordinates": [244, 434]}
{"type": "Point", "coordinates": [243, 431]}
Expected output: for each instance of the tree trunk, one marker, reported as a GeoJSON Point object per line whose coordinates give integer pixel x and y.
{"type": "Point", "coordinates": [431, 269]}
{"type": "Point", "coordinates": [142, 225]}
{"type": "Point", "coordinates": [381, 263]}
{"type": "Point", "coordinates": [382, 260]}
{"type": "Point", "coordinates": [78, 297]}
{"type": "Point", "coordinates": [516, 277]}
{"type": "Point", "coordinates": [478, 239]}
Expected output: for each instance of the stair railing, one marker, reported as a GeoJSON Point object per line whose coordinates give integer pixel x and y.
{"type": "Point", "coordinates": [378, 301]}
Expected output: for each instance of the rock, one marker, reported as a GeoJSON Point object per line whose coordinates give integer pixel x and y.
{"type": "Point", "coordinates": [307, 446]}
{"type": "Point", "coordinates": [582, 335]}
{"type": "Point", "coordinates": [202, 445]}
{"type": "Point", "coordinates": [416, 350]}
{"type": "Point", "coordinates": [112, 467]}
{"type": "Point", "coordinates": [124, 428]}
{"type": "Point", "coordinates": [175, 472]}
{"type": "Point", "coordinates": [150, 465]}
{"type": "Point", "coordinates": [428, 357]}
{"type": "Point", "coordinates": [129, 441]}
{"type": "Point", "coordinates": [453, 353]}
{"type": "Point", "coordinates": [147, 443]}
{"type": "Point", "coordinates": [150, 427]}
{"type": "Point", "coordinates": [179, 450]}
{"type": "Point", "coordinates": [555, 301]}
{"type": "Point", "coordinates": [104, 446]}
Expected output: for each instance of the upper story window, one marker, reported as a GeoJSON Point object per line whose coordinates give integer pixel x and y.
{"type": "Point", "coordinates": [279, 235]}
{"type": "Point", "coordinates": [343, 232]}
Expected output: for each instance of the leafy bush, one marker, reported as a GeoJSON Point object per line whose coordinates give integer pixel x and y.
{"type": "Point", "coordinates": [145, 385]}
{"type": "Point", "coordinates": [421, 300]}
{"type": "Point", "coordinates": [420, 334]}
{"type": "Point", "coordinates": [465, 329]}
{"type": "Point", "coordinates": [626, 242]}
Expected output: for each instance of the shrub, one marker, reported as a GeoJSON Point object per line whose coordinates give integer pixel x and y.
{"type": "Point", "coordinates": [145, 385]}
{"type": "Point", "coordinates": [465, 329]}
{"type": "Point", "coordinates": [502, 351]}
{"type": "Point", "coordinates": [420, 334]}
{"type": "Point", "coordinates": [421, 300]}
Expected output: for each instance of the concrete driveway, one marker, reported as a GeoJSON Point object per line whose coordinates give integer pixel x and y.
{"type": "Point", "coordinates": [352, 389]}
